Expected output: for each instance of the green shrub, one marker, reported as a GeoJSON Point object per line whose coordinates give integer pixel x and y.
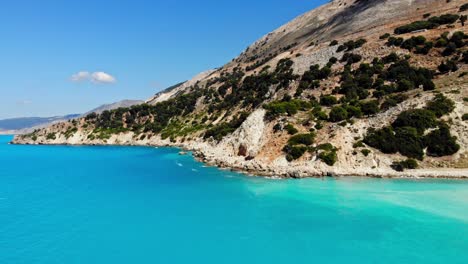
{"type": "Point", "coordinates": [444, 19]}
{"type": "Point", "coordinates": [326, 147]}
{"type": "Point", "coordinates": [333, 60]}
{"type": "Point", "coordinates": [302, 139]}
{"type": "Point", "coordinates": [329, 157]}
{"type": "Point", "coordinates": [353, 111]}
{"type": "Point", "coordinates": [51, 136]}
{"type": "Point", "coordinates": [338, 114]}
{"type": "Point", "coordinates": [464, 7]}
{"type": "Point", "coordinates": [291, 129]}
{"type": "Point", "coordinates": [409, 142]}
{"type": "Point", "coordinates": [421, 119]}
{"type": "Point", "coordinates": [294, 152]}
{"type": "Point", "coordinates": [392, 41]}
{"type": "Point", "coordinates": [351, 58]}
{"type": "Point", "coordinates": [393, 100]}
{"type": "Point", "coordinates": [441, 105]}
{"type": "Point", "coordinates": [358, 144]}
{"type": "Point", "coordinates": [333, 43]}
{"type": "Point", "coordinates": [318, 126]}
{"type": "Point", "coordinates": [383, 139]}
{"type": "Point", "coordinates": [365, 152]}
{"type": "Point", "coordinates": [414, 26]}
{"type": "Point", "coordinates": [277, 108]}
{"type": "Point", "coordinates": [319, 114]}
{"type": "Point", "coordinates": [448, 66]}
{"type": "Point", "coordinates": [465, 117]}
{"type": "Point", "coordinates": [385, 36]}
{"type": "Point", "coordinates": [370, 107]}
{"type": "Point", "coordinates": [431, 23]}
{"type": "Point", "coordinates": [409, 164]}
{"type": "Point", "coordinates": [328, 100]}
{"type": "Point", "coordinates": [441, 143]}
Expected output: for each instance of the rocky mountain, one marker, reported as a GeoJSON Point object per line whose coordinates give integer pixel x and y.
{"type": "Point", "coordinates": [355, 87]}
{"type": "Point", "coordinates": [107, 107]}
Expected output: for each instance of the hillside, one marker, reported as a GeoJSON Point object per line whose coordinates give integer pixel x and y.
{"type": "Point", "coordinates": [355, 87]}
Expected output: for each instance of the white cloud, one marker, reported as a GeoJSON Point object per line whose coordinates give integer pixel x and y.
{"type": "Point", "coordinates": [80, 76]}
{"type": "Point", "coordinates": [102, 77]}
{"type": "Point", "coordinates": [95, 77]}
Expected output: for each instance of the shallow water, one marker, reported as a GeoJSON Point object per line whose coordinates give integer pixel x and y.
{"type": "Point", "coordinates": [146, 205]}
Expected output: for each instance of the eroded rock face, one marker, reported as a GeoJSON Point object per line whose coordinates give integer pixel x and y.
{"type": "Point", "coordinates": [242, 150]}
{"type": "Point", "coordinates": [249, 137]}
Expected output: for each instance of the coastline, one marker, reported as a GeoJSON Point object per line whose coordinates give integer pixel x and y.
{"type": "Point", "coordinates": [257, 169]}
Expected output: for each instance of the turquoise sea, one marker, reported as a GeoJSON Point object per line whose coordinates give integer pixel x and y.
{"type": "Point", "coordinates": [146, 205]}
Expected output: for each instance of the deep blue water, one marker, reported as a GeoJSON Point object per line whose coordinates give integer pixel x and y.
{"type": "Point", "coordinates": [146, 205]}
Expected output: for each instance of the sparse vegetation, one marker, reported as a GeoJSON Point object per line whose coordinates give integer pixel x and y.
{"type": "Point", "coordinates": [409, 164]}
{"type": "Point", "coordinates": [407, 134]}
{"type": "Point", "coordinates": [298, 145]}
{"type": "Point", "coordinates": [51, 136]}
{"type": "Point", "coordinates": [431, 23]}
{"type": "Point", "coordinates": [289, 107]}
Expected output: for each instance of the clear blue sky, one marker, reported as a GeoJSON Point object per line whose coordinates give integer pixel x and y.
{"type": "Point", "coordinates": [145, 45]}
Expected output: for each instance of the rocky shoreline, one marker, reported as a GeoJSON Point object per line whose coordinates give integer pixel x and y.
{"type": "Point", "coordinates": [200, 152]}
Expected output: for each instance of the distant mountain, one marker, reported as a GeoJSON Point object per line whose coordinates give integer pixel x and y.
{"type": "Point", "coordinates": [24, 123]}
{"type": "Point", "coordinates": [123, 103]}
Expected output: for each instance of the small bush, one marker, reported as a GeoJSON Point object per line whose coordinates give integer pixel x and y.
{"type": "Point", "coordinates": [410, 164]}
{"type": "Point", "coordinates": [358, 144]}
{"type": "Point", "coordinates": [383, 139]}
{"type": "Point", "coordinates": [365, 152]}
{"type": "Point", "coordinates": [291, 129]}
{"type": "Point", "coordinates": [448, 66]}
{"type": "Point", "coordinates": [441, 143]}
{"type": "Point", "coordinates": [385, 36]}
{"type": "Point", "coordinates": [302, 139]}
{"type": "Point", "coordinates": [51, 136]}
{"type": "Point", "coordinates": [370, 107]}
{"type": "Point", "coordinates": [392, 41]}
{"type": "Point", "coordinates": [328, 100]}
{"type": "Point", "coordinates": [290, 108]}
{"type": "Point", "coordinates": [441, 105]}
{"type": "Point", "coordinates": [338, 114]}
{"type": "Point", "coordinates": [351, 58]}
{"type": "Point", "coordinates": [294, 152]}
{"type": "Point", "coordinates": [465, 117]}
{"type": "Point", "coordinates": [329, 157]}
{"type": "Point", "coordinates": [393, 101]}
{"type": "Point", "coordinates": [464, 7]}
